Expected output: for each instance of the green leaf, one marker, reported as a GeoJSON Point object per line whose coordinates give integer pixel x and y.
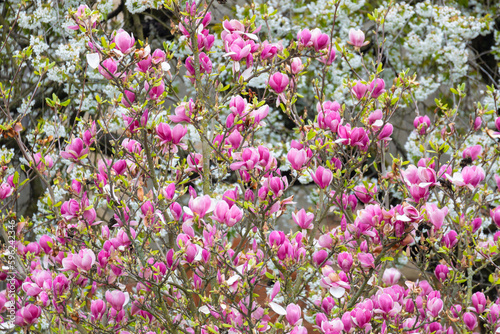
{"type": "Point", "coordinates": [269, 275]}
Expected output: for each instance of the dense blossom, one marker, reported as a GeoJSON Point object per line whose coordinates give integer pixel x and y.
{"type": "Point", "coordinates": [169, 184]}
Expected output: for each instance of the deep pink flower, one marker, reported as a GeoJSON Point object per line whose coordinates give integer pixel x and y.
{"type": "Point", "coordinates": [436, 216]}
{"type": "Point", "coordinates": [434, 307]}
{"type": "Point", "coordinates": [303, 219]}
{"type": "Point", "coordinates": [322, 177]}
{"type": "Point", "coordinates": [377, 87]}
{"type": "Point", "coordinates": [158, 56]}
{"type": "Point", "coordinates": [98, 309]}
{"type": "Point", "coordinates": [279, 82]}
{"type": "Point", "coordinates": [470, 320]}
{"type": "Point", "coordinates": [183, 112]}
{"type": "Point", "coordinates": [170, 138]}
{"type": "Point", "coordinates": [472, 152]}
{"type": "Point", "coordinates": [117, 299]}
{"type": "Point", "coordinates": [450, 239]}
{"type": "Point", "coordinates": [123, 41]}
{"type": "Point", "coordinates": [319, 40]}
{"type": "Point", "coordinates": [297, 158]}
{"type": "Point", "coordinates": [495, 215]}
{"type": "Point", "coordinates": [356, 137]}
{"type": "Point", "coordinates": [85, 259]}
{"type": "Point", "coordinates": [478, 300]}
{"type": "Point", "coordinates": [5, 190]}
{"type": "Point", "coordinates": [359, 90]}
{"type": "Point", "coordinates": [75, 150]}
{"type": "Point", "coordinates": [108, 68]}
{"type": "Point", "coordinates": [477, 123]}
{"type": "Point", "coordinates": [366, 195]}
{"type": "Point", "coordinates": [422, 124]}
{"type": "Point", "coordinates": [441, 272]}
{"type": "Point", "coordinates": [28, 315]}
{"type": "Point", "coordinates": [156, 91]}
{"type": "Point", "coordinates": [304, 37]}
{"type": "Point", "coordinates": [200, 206]}
{"type": "Point", "coordinates": [366, 260]}
{"type": "Point", "coordinates": [345, 261]}
{"type": "Point", "coordinates": [294, 314]}
{"type": "Point", "coordinates": [296, 65]}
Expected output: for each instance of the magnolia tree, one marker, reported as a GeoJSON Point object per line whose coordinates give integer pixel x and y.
{"type": "Point", "coordinates": [161, 212]}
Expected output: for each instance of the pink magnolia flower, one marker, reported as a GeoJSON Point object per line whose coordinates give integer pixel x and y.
{"type": "Point", "coordinates": [450, 239]}
{"type": "Point", "coordinates": [359, 90]}
{"type": "Point", "coordinates": [75, 150]}
{"type": "Point", "coordinates": [84, 260]}
{"type": "Point", "coordinates": [476, 224]}
{"type": "Point", "coordinates": [322, 177]}
{"type": "Point", "coordinates": [422, 124]}
{"type": "Point", "coordinates": [495, 215]}
{"type": "Point", "coordinates": [237, 50]}
{"type": "Point", "coordinates": [434, 307]}
{"type": "Point", "coordinates": [366, 260]}
{"type": "Point", "coordinates": [158, 56]}
{"type": "Point", "coordinates": [477, 123]}
{"type": "Point", "coordinates": [296, 65]}
{"type": "Point", "coordinates": [470, 320]}
{"type": "Point", "coordinates": [357, 38]}
{"type": "Point", "coordinates": [269, 50]}
{"type": "Point", "coordinates": [366, 195]}
{"type": "Point", "coordinates": [171, 138]}
{"type": "Point", "coordinates": [391, 276]}
{"type": "Point", "coordinates": [294, 314]}
{"type": "Point", "coordinates": [472, 152]}
{"type": "Point", "coordinates": [279, 82]}
{"type": "Point", "coordinates": [46, 243]}
{"type": "Point", "coordinates": [345, 261]}
{"type": "Point", "coordinates": [108, 68]}
{"type": "Point", "coordinates": [79, 16]}
{"type": "Point", "coordinates": [303, 220]}
{"type": "Point", "coordinates": [128, 96]}
{"type": "Point", "coordinates": [356, 137]}
{"type": "Point", "coordinates": [328, 56]}
{"type": "Point", "coordinates": [132, 146]}
{"type": "Point", "coordinates": [478, 300]}
{"type": "Point", "coordinates": [377, 87]}
{"type": "Point", "coordinates": [297, 158]}
{"type": "Point", "coordinates": [28, 315]}
{"type": "Point", "coordinates": [98, 309]}
{"type": "Point", "coordinates": [249, 159]}
{"type": "Point", "coordinates": [70, 209]}
{"type": "Point", "coordinates": [386, 133]}
{"type": "Point", "coordinates": [183, 112]}
{"type": "Point", "coordinates": [46, 163]}
{"type": "Point", "coordinates": [31, 289]}
{"type": "Point", "coordinates": [304, 37]}
{"type": "Point", "coordinates": [470, 177]}
{"type": "Point", "coordinates": [319, 40]}
{"type": "Point", "coordinates": [225, 214]}
{"type": "Point", "coordinates": [334, 326]}
{"type": "Point", "coordinates": [144, 65]}
{"type": "Point", "coordinates": [441, 272]}
{"type": "Point", "coordinates": [123, 41]}
{"type": "Point", "coordinates": [200, 206]}
{"type": "Point", "coordinates": [436, 216]}
{"type": "Point", "coordinates": [5, 191]}
{"type": "Point", "coordinates": [117, 299]}
{"type": "Point", "coordinates": [195, 162]}
{"type": "Point", "coordinates": [156, 91]}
